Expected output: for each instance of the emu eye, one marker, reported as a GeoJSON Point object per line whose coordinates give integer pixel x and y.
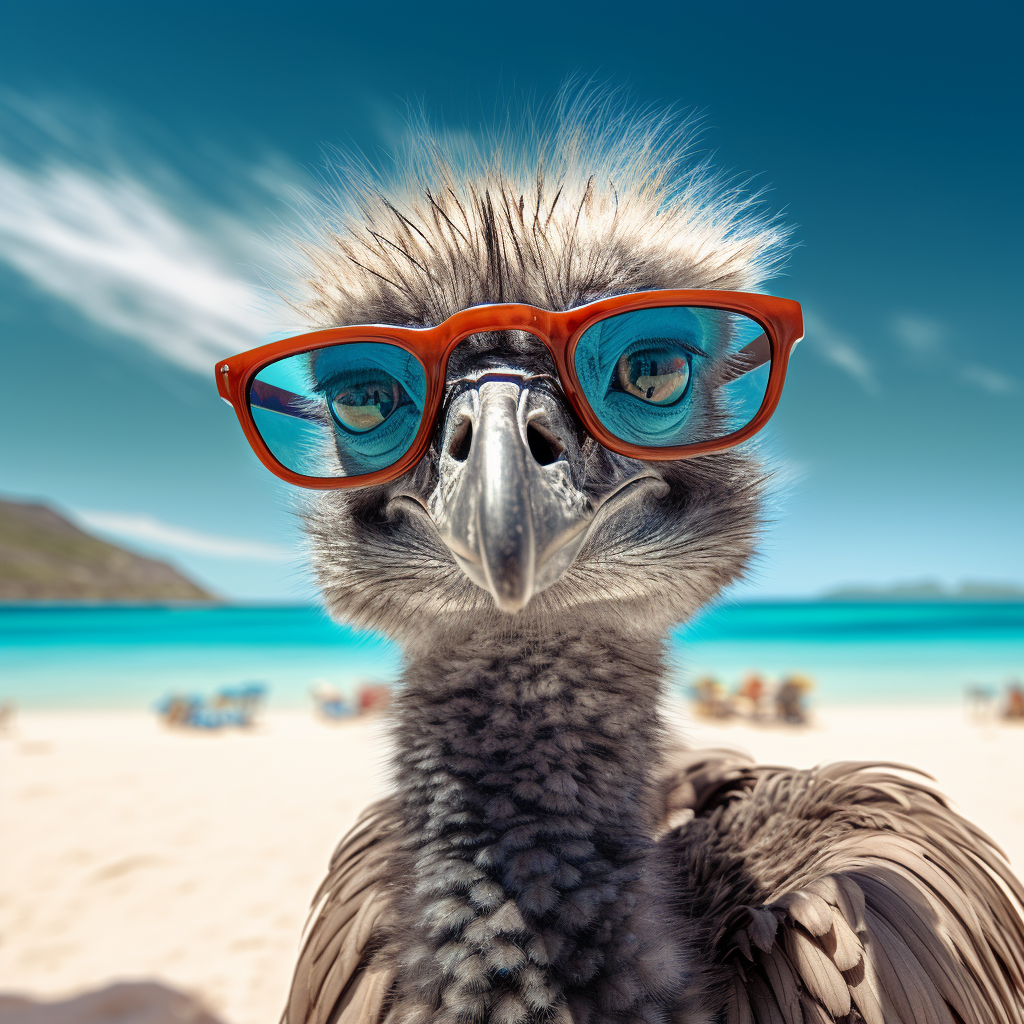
{"type": "Point", "coordinates": [359, 407]}
{"type": "Point", "coordinates": [658, 375]}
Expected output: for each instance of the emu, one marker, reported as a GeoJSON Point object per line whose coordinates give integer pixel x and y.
{"type": "Point", "coordinates": [549, 853]}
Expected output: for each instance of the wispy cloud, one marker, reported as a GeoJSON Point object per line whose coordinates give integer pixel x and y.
{"type": "Point", "coordinates": [993, 381]}
{"type": "Point", "coordinates": [115, 243]}
{"type": "Point", "coordinates": [152, 531]}
{"type": "Point", "coordinates": [919, 335]}
{"type": "Point", "coordinates": [926, 339]}
{"type": "Point", "coordinates": [840, 350]}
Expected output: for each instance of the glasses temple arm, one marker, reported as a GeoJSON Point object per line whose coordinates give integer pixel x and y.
{"type": "Point", "coordinates": [750, 357]}
{"type": "Point", "coordinates": [274, 399]}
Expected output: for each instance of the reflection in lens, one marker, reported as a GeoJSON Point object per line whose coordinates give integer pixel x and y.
{"type": "Point", "coordinates": [658, 375]}
{"type": "Point", "coordinates": [673, 375]}
{"type": "Point", "coordinates": [345, 410]}
{"type": "Point", "coordinates": [363, 407]}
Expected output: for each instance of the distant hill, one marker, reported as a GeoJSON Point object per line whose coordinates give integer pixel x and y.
{"type": "Point", "coordinates": [927, 590]}
{"type": "Point", "coordinates": [43, 557]}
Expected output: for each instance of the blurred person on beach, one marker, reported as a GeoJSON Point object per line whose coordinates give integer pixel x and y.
{"type": "Point", "coordinates": [981, 702]}
{"type": "Point", "coordinates": [752, 690]}
{"type": "Point", "coordinates": [373, 698]}
{"type": "Point", "coordinates": [789, 700]}
{"type": "Point", "coordinates": [710, 698]}
{"type": "Point", "coordinates": [1014, 702]}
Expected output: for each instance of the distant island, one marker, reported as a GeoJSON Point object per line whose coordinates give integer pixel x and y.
{"type": "Point", "coordinates": [44, 557]}
{"type": "Point", "coordinates": [929, 590]}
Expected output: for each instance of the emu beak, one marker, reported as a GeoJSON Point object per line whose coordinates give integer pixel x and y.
{"type": "Point", "coordinates": [505, 503]}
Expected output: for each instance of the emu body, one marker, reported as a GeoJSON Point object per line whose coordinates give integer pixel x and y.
{"type": "Point", "coordinates": [544, 856]}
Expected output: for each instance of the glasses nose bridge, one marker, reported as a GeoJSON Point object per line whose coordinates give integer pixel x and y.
{"type": "Point", "coordinates": [540, 323]}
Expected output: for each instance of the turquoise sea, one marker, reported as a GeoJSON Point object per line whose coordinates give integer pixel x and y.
{"type": "Point", "coordinates": [128, 657]}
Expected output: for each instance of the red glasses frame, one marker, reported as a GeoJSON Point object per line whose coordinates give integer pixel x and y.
{"type": "Point", "coordinates": [780, 319]}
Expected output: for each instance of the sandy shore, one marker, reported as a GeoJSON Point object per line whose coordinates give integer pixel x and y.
{"type": "Point", "coordinates": [130, 852]}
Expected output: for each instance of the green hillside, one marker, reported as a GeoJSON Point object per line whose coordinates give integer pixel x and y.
{"type": "Point", "coordinates": [43, 557]}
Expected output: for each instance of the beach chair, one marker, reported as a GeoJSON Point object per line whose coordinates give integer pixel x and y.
{"type": "Point", "coordinates": [230, 706]}
{"type": "Point", "coordinates": [330, 703]}
{"type": "Point", "coordinates": [239, 705]}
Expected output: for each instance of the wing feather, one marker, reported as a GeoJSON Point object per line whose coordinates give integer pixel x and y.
{"type": "Point", "coordinates": [842, 944]}
{"type": "Point", "coordinates": [905, 918]}
{"type": "Point", "coordinates": [808, 909]}
{"type": "Point", "coordinates": [813, 1012]}
{"type": "Point", "coordinates": [901, 975]}
{"type": "Point", "coordinates": [336, 980]}
{"type": "Point", "coordinates": [738, 1005]}
{"type": "Point", "coordinates": [781, 978]}
{"type": "Point", "coordinates": [867, 995]}
{"type": "Point", "coordinates": [364, 998]}
{"type": "Point", "coordinates": [842, 893]}
{"type": "Point", "coordinates": [819, 974]}
{"type": "Point", "coordinates": [763, 1005]}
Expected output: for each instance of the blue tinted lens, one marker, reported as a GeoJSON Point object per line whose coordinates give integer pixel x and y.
{"type": "Point", "coordinates": [346, 410]}
{"type": "Point", "coordinates": [673, 375]}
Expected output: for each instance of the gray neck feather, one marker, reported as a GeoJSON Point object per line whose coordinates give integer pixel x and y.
{"type": "Point", "coordinates": [532, 891]}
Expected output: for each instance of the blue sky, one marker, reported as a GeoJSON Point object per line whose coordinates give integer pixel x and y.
{"type": "Point", "coordinates": [151, 154]}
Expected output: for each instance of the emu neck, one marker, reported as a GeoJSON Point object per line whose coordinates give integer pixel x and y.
{"type": "Point", "coordinates": [523, 766]}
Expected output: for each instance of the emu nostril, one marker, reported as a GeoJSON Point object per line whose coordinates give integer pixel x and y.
{"type": "Point", "coordinates": [462, 441]}
{"type": "Point", "coordinates": [544, 448]}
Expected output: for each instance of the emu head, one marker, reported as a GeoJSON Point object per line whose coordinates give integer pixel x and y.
{"type": "Point", "coordinates": [516, 517]}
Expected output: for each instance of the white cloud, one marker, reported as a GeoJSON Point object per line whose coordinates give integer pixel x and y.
{"type": "Point", "coordinates": [840, 351]}
{"type": "Point", "coordinates": [926, 339]}
{"type": "Point", "coordinates": [100, 237]}
{"type": "Point", "coordinates": [919, 335]}
{"type": "Point", "coordinates": [992, 381]}
{"type": "Point", "coordinates": [150, 530]}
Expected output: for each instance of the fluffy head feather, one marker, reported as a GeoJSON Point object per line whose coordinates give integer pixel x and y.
{"type": "Point", "coordinates": [600, 203]}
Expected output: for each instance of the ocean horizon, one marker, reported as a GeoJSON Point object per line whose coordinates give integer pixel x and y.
{"type": "Point", "coordinates": [107, 656]}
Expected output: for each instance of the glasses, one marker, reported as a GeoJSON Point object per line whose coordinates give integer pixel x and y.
{"type": "Point", "coordinates": [654, 375]}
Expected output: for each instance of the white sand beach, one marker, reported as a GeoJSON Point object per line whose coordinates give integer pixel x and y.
{"type": "Point", "coordinates": [131, 852]}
